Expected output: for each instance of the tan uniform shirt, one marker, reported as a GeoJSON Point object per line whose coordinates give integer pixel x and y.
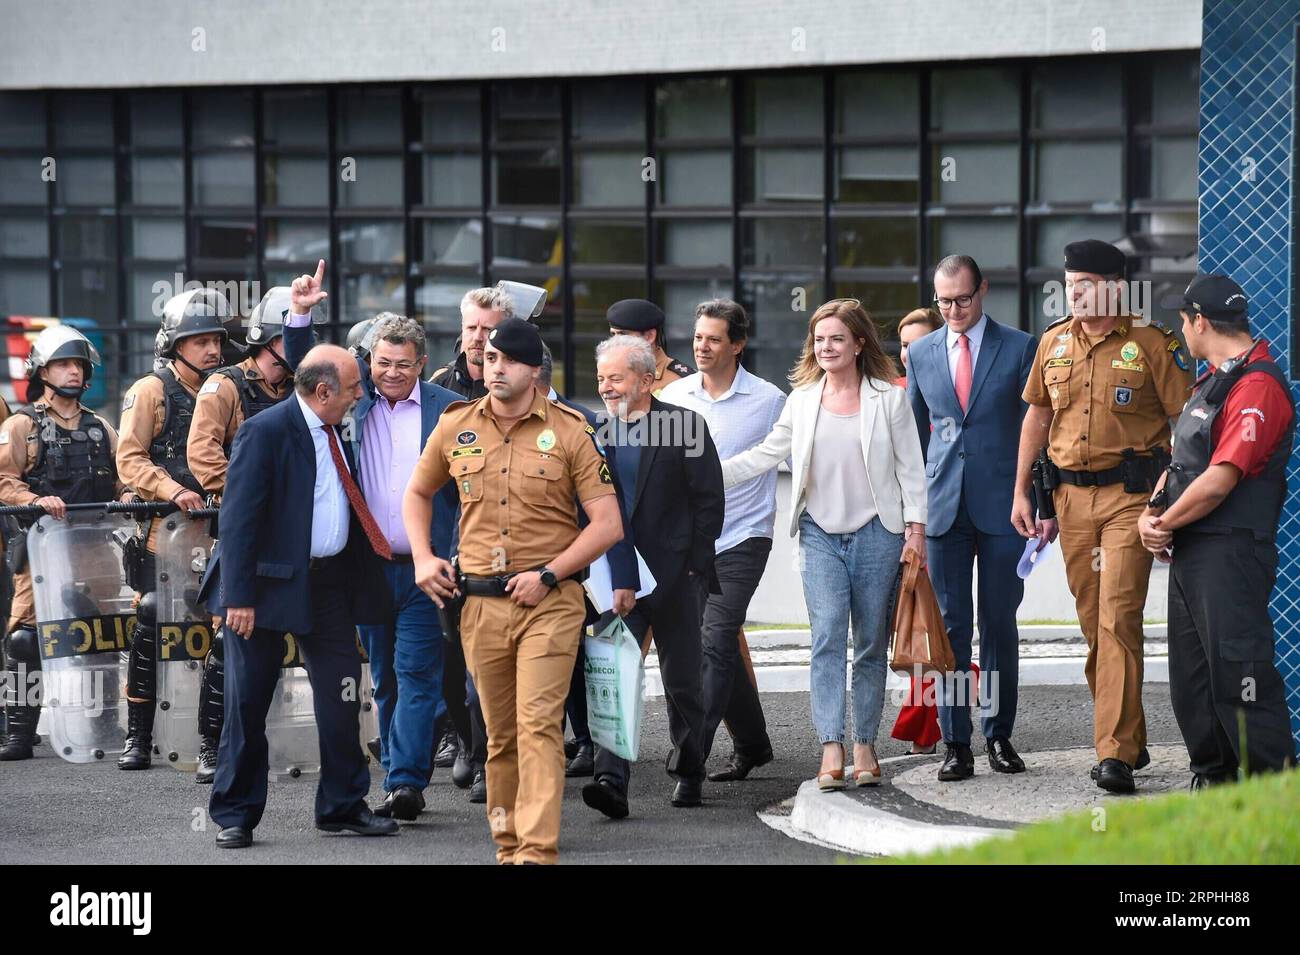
{"type": "Point", "coordinates": [516, 489]}
{"type": "Point", "coordinates": [218, 413]}
{"type": "Point", "coordinates": [668, 370]}
{"type": "Point", "coordinates": [143, 414]}
{"type": "Point", "coordinates": [1107, 394]}
{"type": "Point", "coordinates": [20, 446]}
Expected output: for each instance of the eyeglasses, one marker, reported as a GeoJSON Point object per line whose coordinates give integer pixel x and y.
{"type": "Point", "coordinates": [402, 366]}
{"type": "Point", "coordinates": [961, 301]}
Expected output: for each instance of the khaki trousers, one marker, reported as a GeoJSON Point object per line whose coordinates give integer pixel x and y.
{"type": "Point", "coordinates": [521, 659]}
{"type": "Point", "coordinates": [1108, 570]}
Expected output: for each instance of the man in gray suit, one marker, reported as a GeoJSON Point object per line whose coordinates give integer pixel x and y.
{"type": "Point", "coordinates": [964, 382]}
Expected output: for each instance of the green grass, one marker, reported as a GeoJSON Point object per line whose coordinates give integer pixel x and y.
{"type": "Point", "coordinates": [1251, 823]}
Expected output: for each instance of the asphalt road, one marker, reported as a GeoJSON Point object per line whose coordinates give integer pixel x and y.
{"type": "Point", "coordinates": [56, 812]}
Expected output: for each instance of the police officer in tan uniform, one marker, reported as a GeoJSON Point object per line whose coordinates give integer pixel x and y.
{"type": "Point", "coordinates": [521, 463]}
{"type": "Point", "coordinates": [636, 316]}
{"type": "Point", "coordinates": [1102, 390]}
{"type": "Point", "coordinates": [151, 460]}
{"type": "Point", "coordinates": [57, 452]}
{"type": "Point", "coordinates": [228, 398]}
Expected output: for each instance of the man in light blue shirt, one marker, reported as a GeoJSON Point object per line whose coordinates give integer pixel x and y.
{"type": "Point", "coordinates": [740, 410]}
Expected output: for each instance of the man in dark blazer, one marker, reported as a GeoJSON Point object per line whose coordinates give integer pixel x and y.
{"type": "Point", "coordinates": [298, 554]}
{"type": "Point", "coordinates": [623, 576]}
{"type": "Point", "coordinates": [667, 462]}
{"type": "Point", "coordinates": [964, 381]}
{"type": "Point", "coordinates": [389, 426]}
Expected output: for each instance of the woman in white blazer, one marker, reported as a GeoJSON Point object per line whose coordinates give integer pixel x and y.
{"type": "Point", "coordinates": [858, 497]}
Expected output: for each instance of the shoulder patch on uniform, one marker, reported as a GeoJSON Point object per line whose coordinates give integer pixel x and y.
{"type": "Point", "coordinates": [605, 476]}
{"type": "Point", "coordinates": [1180, 356]}
{"type": "Point", "coordinates": [679, 367]}
{"type": "Point", "coordinates": [211, 386]}
{"type": "Point", "coordinates": [1164, 329]}
{"type": "Point", "coordinates": [128, 402]}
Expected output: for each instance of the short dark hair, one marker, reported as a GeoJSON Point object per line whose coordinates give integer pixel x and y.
{"type": "Point", "coordinates": [733, 313]}
{"type": "Point", "coordinates": [312, 372]}
{"type": "Point", "coordinates": [952, 265]}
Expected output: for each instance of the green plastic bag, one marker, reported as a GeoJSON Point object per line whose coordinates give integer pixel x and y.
{"type": "Point", "coordinates": [615, 689]}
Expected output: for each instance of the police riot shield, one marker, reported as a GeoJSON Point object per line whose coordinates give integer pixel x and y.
{"type": "Point", "coordinates": [84, 615]}
{"type": "Point", "coordinates": [184, 637]}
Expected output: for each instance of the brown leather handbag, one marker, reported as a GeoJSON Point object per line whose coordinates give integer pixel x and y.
{"type": "Point", "coordinates": [918, 639]}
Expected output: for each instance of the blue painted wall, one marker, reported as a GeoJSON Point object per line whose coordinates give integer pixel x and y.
{"type": "Point", "coordinates": [1248, 60]}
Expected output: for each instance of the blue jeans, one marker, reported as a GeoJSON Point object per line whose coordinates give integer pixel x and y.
{"type": "Point", "coordinates": [406, 668]}
{"type": "Point", "coordinates": [848, 575]}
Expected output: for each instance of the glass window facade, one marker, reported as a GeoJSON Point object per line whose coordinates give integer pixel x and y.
{"type": "Point", "coordinates": [779, 189]}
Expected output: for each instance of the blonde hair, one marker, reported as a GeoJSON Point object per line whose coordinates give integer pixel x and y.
{"type": "Point", "coordinates": [921, 316]}
{"type": "Point", "coordinates": [872, 361]}
{"type": "Point", "coordinates": [492, 299]}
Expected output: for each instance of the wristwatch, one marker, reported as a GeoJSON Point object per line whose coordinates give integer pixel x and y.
{"type": "Point", "coordinates": [548, 577]}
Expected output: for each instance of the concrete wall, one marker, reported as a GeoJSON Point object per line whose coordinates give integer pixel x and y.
{"type": "Point", "coordinates": [1047, 596]}
{"type": "Point", "coordinates": [72, 43]}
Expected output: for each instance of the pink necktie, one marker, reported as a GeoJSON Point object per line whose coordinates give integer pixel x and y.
{"type": "Point", "coordinates": [964, 375]}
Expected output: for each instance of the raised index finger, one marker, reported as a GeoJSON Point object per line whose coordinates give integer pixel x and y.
{"type": "Point", "coordinates": [320, 272]}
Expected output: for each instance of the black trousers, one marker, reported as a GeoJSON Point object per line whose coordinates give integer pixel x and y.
{"type": "Point", "coordinates": [463, 709]}
{"type": "Point", "coordinates": [330, 655]}
{"type": "Point", "coordinates": [673, 612]}
{"type": "Point", "coordinates": [728, 693]}
{"type": "Point", "coordinates": [1228, 697]}
{"type": "Point", "coordinates": [575, 705]}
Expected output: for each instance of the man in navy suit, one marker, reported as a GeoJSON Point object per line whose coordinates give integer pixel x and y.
{"type": "Point", "coordinates": [387, 430]}
{"type": "Point", "coordinates": [298, 554]}
{"type": "Point", "coordinates": [964, 382]}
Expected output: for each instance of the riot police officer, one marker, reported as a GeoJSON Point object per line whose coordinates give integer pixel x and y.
{"type": "Point", "coordinates": [152, 460]}
{"type": "Point", "coordinates": [53, 454]}
{"type": "Point", "coordinates": [1215, 517]}
{"type": "Point", "coordinates": [228, 398]}
{"type": "Point", "coordinates": [636, 316]}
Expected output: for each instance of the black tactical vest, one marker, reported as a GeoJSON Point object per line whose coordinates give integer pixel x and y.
{"type": "Point", "coordinates": [252, 398]}
{"type": "Point", "coordinates": [1256, 502]}
{"type": "Point", "coordinates": [75, 465]}
{"type": "Point", "coordinates": [168, 447]}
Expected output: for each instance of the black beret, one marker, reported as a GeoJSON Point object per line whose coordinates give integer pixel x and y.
{"type": "Point", "coordinates": [519, 340]}
{"type": "Point", "coordinates": [1093, 255]}
{"type": "Point", "coordinates": [1217, 297]}
{"type": "Point", "coordinates": [635, 314]}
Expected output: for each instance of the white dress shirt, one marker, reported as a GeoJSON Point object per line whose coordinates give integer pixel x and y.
{"type": "Point", "coordinates": [976, 335]}
{"type": "Point", "coordinates": [738, 419]}
{"type": "Point", "coordinates": [329, 510]}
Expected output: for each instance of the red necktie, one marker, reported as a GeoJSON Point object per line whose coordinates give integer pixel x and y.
{"type": "Point", "coordinates": [964, 375]}
{"type": "Point", "coordinates": [377, 539]}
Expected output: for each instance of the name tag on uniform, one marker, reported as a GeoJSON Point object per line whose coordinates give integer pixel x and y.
{"type": "Point", "coordinates": [211, 386]}
{"type": "Point", "coordinates": [1059, 363]}
{"type": "Point", "coordinates": [1128, 365]}
{"type": "Point", "coordinates": [462, 452]}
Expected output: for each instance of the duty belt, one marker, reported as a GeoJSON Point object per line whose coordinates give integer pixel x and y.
{"type": "Point", "coordinates": [1092, 478]}
{"type": "Point", "coordinates": [495, 586]}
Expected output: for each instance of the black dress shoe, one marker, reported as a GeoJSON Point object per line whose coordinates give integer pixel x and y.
{"type": "Point", "coordinates": [958, 763]}
{"type": "Point", "coordinates": [462, 770]}
{"type": "Point", "coordinates": [234, 837]}
{"type": "Point", "coordinates": [604, 797]}
{"type": "Point", "coordinates": [687, 793]}
{"type": "Point", "coordinates": [1115, 776]}
{"type": "Point", "coordinates": [363, 822]}
{"type": "Point", "coordinates": [1143, 761]}
{"type": "Point", "coordinates": [1207, 780]}
{"type": "Point", "coordinates": [407, 802]}
{"type": "Point", "coordinates": [738, 767]}
{"type": "Point", "coordinates": [583, 762]}
{"type": "Point", "coordinates": [1003, 756]}
{"type": "Point", "coordinates": [478, 790]}
{"type": "Point", "coordinates": [571, 748]}
{"type": "Point", "coordinates": [385, 808]}
{"type": "Point", "coordinates": [373, 746]}
{"type": "Point", "coordinates": [445, 754]}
